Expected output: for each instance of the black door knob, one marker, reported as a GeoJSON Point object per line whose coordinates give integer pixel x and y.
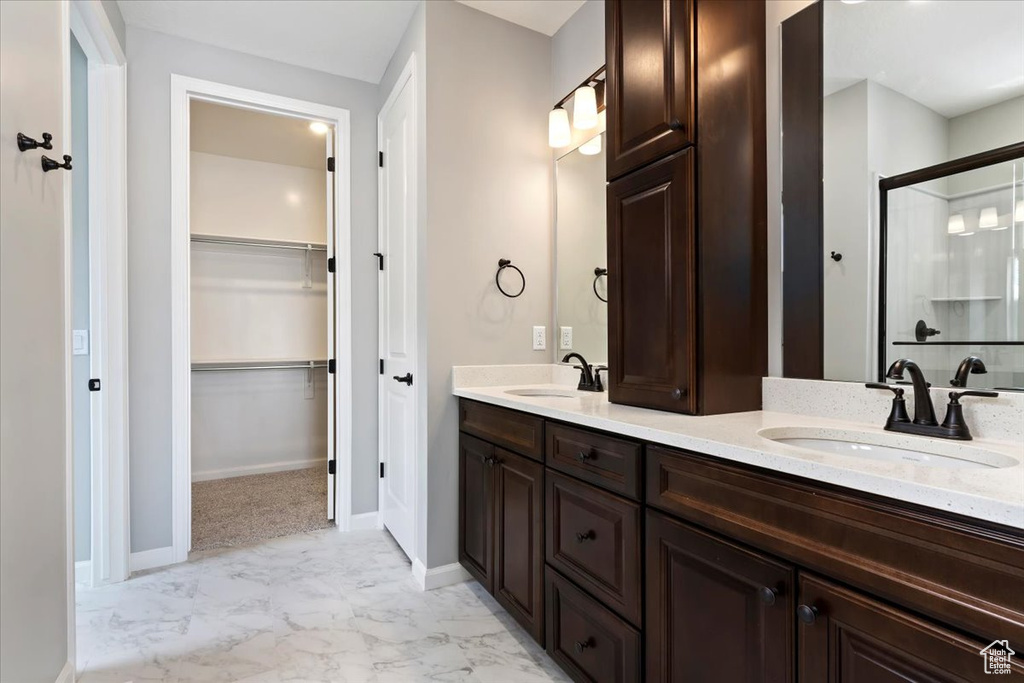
{"type": "Point", "coordinates": [405, 379]}
{"type": "Point", "coordinates": [767, 594]}
{"type": "Point", "coordinates": [581, 645]}
{"type": "Point", "coordinates": [807, 614]}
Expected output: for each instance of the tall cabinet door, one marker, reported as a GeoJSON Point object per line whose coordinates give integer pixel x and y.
{"type": "Point", "coordinates": [650, 66]}
{"type": "Point", "coordinates": [715, 611]}
{"type": "Point", "coordinates": [476, 509]}
{"type": "Point", "coordinates": [651, 308]}
{"type": "Point", "coordinates": [519, 539]}
{"type": "Point", "coordinates": [846, 637]}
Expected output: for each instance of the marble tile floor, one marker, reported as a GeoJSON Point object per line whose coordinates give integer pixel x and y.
{"type": "Point", "coordinates": [320, 606]}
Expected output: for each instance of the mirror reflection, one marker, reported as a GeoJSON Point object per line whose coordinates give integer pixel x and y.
{"type": "Point", "coordinates": [581, 251]}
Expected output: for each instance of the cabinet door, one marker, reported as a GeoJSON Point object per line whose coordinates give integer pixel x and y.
{"type": "Point", "coordinates": [650, 77]}
{"type": "Point", "coordinates": [715, 611]}
{"type": "Point", "coordinates": [476, 509]}
{"type": "Point", "coordinates": [846, 637]}
{"type": "Point", "coordinates": [651, 308]}
{"type": "Point", "coordinates": [519, 540]}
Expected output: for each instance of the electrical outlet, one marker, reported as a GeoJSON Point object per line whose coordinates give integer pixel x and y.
{"type": "Point", "coordinates": [540, 337]}
{"type": "Point", "coordinates": [565, 338]}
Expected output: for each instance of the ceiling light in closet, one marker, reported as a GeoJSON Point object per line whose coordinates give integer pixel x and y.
{"type": "Point", "coordinates": [319, 127]}
{"type": "Point", "coordinates": [955, 226]}
{"type": "Point", "coordinates": [591, 146]}
{"type": "Point", "coordinates": [989, 218]}
{"type": "Point", "coordinates": [559, 134]}
{"type": "Point", "coordinates": [584, 107]}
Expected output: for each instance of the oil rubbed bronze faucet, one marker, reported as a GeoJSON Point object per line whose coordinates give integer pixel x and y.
{"type": "Point", "coordinates": [590, 377]}
{"type": "Point", "coordinates": [924, 423]}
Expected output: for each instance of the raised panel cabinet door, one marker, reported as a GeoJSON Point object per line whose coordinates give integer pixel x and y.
{"type": "Point", "coordinates": [651, 306]}
{"type": "Point", "coordinates": [519, 539]}
{"type": "Point", "coordinates": [715, 611]}
{"type": "Point", "coordinates": [476, 509]}
{"type": "Point", "coordinates": [846, 637]}
{"type": "Point", "coordinates": [650, 81]}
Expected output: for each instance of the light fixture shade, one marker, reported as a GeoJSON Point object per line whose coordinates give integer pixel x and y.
{"type": "Point", "coordinates": [591, 146]}
{"type": "Point", "coordinates": [559, 134]}
{"type": "Point", "coordinates": [955, 225]}
{"type": "Point", "coordinates": [319, 127]}
{"type": "Point", "coordinates": [989, 218]}
{"type": "Point", "coordinates": [584, 108]}
{"type": "Point", "coordinates": [1018, 211]}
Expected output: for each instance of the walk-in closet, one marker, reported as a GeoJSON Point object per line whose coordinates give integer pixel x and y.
{"type": "Point", "coordinates": [261, 325]}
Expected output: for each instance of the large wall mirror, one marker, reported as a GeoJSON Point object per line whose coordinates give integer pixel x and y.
{"type": "Point", "coordinates": [581, 246]}
{"type": "Point", "coordinates": [903, 189]}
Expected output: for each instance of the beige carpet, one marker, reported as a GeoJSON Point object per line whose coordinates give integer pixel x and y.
{"type": "Point", "coordinates": [241, 510]}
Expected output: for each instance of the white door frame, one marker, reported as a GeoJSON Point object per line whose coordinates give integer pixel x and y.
{"type": "Point", "coordinates": [108, 283]}
{"type": "Point", "coordinates": [183, 90]}
{"type": "Point", "coordinates": [407, 76]}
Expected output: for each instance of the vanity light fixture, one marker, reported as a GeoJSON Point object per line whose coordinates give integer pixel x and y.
{"type": "Point", "coordinates": [965, 234]}
{"type": "Point", "coordinates": [584, 108]}
{"type": "Point", "coordinates": [989, 218]}
{"type": "Point", "coordinates": [1018, 211]}
{"type": "Point", "coordinates": [591, 146]}
{"type": "Point", "coordinates": [319, 127]}
{"type": "Point", "coordinates": [955, 226]}
{"type": "Point", "coordinates": [559, 134]}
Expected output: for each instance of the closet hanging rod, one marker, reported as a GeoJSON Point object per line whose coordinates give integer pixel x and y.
{"type": "Point", "coordinates": [269, 365]}
{"type": "Point", "coordinates": [255, 242]}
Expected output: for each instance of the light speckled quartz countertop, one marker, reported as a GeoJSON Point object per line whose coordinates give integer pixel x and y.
{"type": "Point", "coordinates": [992, 494]}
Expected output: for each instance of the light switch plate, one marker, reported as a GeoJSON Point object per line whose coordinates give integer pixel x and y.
{"type": "Point", "coordinates": [565, 338]}
{"type": "Point", "coordinates": [80, 342]}
{"type": "Point", "coordinates": [540, 337]}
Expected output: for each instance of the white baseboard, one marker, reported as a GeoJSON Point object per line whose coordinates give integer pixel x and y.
{"type": "Point", "coordinates": [438, 577]}
{"type": "Point", "coordinates": [245, 470]}
{"type": "Point", "coordinates": [364, 521]}
{"type": "Point", "coordinates": [149, 559]}
{"type": "Point", "coordinates": [67, 674]}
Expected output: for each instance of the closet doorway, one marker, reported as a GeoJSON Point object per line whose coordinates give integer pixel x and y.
{"type": "Point", "coordinates": [258, 447]}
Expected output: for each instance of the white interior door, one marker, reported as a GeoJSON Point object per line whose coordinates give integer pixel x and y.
{"type": "Point", "coordinates": [332, 351]}
{"type": "Point", "coordinates": [397, 244]}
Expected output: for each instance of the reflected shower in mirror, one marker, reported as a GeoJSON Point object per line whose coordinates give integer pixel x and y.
{"type": "Point", "coordinates": [581, 250]}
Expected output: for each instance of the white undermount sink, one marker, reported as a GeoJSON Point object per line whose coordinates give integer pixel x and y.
{"type": "Point", "coordinates": [540, 392]}
{"type": "Point", "coordinates": [894, 448]}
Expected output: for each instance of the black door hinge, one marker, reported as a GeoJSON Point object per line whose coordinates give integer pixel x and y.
{"type": "Point", "coordinates": [382, 470]}
{"type": "Point", "coordinates": [94, 385]}
{"type": "Point", "coordinates": [380, 159]}
{"type": "Point", "coordinates": [330, 164]}
{"type": "Point", "coordinates": [331, 466]}
{"type": "Point", "coordinates": [380, 260]}
{"type": "Point", "coordinates": [330, 265]}
{"type": "Point", "coordinates": [382, 366]}
{"type": "Point", "coordinates": [330, 366]}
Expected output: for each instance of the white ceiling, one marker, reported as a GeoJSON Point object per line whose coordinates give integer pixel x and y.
{"type": "Point", "coordinates": [248, 134]}
{"type": "Point", "coordinates": [543, 16]}
{"type": "Point", "coordinates": [354, 38]}
{"type": "Point", "coordinates": [953, 56]}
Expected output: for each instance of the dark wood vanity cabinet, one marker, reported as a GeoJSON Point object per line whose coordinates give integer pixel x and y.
{"type": "Point", "coordinates": [687, 269]}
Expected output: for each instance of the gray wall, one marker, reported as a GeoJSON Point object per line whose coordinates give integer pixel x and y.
{"type": "Point", "coordinates": [153, 57]}
{"type": "Point", "coordinates": [577, 49]}
{"type": "Point", "coordinates": [80, 365]}
{"type": "Point", "coordinates": [116, 20]}
{"type": "Point", "coordinates": [489, 197]}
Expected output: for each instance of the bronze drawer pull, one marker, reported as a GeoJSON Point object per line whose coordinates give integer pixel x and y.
{"type": "Point", "coordinates": [583, 456]}
{"type": "Point", "coordinates": [768, 595]}
{"type": "Point", "coordinates": [807, 614]}
{"type": "Point", "coordinates": [584, 536]}
{"type": "Point", "coordinates": [582, 645]}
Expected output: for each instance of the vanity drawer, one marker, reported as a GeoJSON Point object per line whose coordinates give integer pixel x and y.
{"type": "Point", "coordinates": [515, 431]}
{"type": "Point", "coordinates": [608, 462]}
{"type": "Point", "coordinates": [593, 537]}
{"type": "Point", "coordinates": [587, 640]}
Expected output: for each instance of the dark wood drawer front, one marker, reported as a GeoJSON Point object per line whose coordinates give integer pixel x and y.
{"type": "Point", "coordinates": [593, 537]}
{"type": "Point", "coordinates": [964, 573]}
{"type": "Point", "coordinates": [611, 463]}
{"type": "Point", "coordinates": [587, 640]}
{"type": "Point", "coordinates": [516, 431]}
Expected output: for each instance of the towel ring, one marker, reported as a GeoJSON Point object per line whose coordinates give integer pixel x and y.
{"type": "Point", "coordinates": [502, 265]}
{"type": "Point", "coordinates": [598, 272]}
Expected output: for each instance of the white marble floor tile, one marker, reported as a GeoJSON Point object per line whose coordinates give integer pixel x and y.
{"type": "Point", "coordinates": [321, 606]}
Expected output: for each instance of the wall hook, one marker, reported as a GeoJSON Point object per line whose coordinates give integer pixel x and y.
{"type": "Point", "coordinates": [51, 165]}
{"type": "Point", "coordinates": [502, 265]}
{"type": "Point", "coordinates": [598, 272]}
{"type": "Point", "coordinates": [25, 143]}
{"type": "Point", "coordinates": [836, 256]}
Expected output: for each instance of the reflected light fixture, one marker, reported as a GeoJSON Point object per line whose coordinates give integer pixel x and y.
{"type": "Point", "coordinates": [584, 108]}
{"type": "Point", "coordinates": [319, 127]}
{"type": "Point", "coordinates": [591, 146]}
{"type": "Point", "coordinates": [989, 218]}
{"type": "Point", "coordinates": [559, 134]}
{"type": "Point", "coordinates": [955, 226]}
{"type": "Point", "coordinates": [965, 234]}
{"type": "Point", "coordinates": [1018, 211]}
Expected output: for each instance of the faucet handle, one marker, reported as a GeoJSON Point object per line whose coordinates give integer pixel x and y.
{"type": "Point", "coordinates": [899, 403]}
{"type": "Point", "coordinates": [954, 396]}
{"type": "Point", "coordinates": [597, 376]}
{"type": "Point", "coordinates": [881, 385]}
